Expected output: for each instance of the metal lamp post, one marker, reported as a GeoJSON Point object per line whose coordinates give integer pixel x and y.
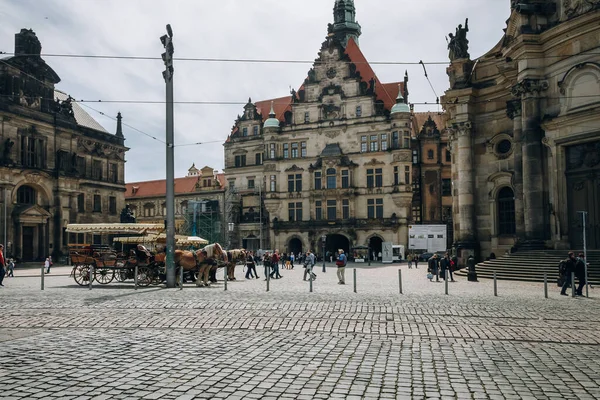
{"type": "Point", "coordinates": [584, 217]}
{"type": "Point", "coordinates": [323, 239]}
{"type": "Point", "coordinates": [230, 228]}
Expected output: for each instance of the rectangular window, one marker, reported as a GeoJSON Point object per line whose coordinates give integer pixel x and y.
{"type": "Point", "coordinates": [448, 156]}
{"type": "Point", "coordinates": [290, 183]}
{"type": "Point", "coordinates": [97, 170]}
{"type": "Point", "coordinates": [345, 209]}
{"type": "Point", "coordinates": [294, 183]}
{"type": "Point", "coordinates": [331, 210]}
{"type": "Point", "coordinates": [286, 150]}
{"type": "Point", "coordinates": [294, 150]}
{"type": "Point", "coordinates": [113, 173]}
{"type": "Point", "coordinates": [363, 144]}
{"type": "Point", "coordinates": [446, 187]}
{"type": "Point", "coordinates": [272, 152]}
{"type": "Point", "coordinates": [295, 212]}
{"type": "Point", "coordinates": [379, 177]}
{"type": "Point", "coordinates": [374, 143]}
{"type": "Point", "coordinates": [240, 161]}
{"type": "Point", "coordinates": [345, 179]}
{"type": "Point", "coordinates": [81, 203]}
{"type": "Point", "coordinates": [306, 117]}
{"type": "Point", "coordinates": [430, 154]}
{"type": "Point", "coordinates": [33, 152]}
{"type": "Point", "coordinates": [396, 176]}
{"type": "Point", "coordinates": [97, 203]}
{"type": "Point", "coordinates": [384, 142]}
{"type": "Point", "coordinates": [358, 111]}
{"type": "Point", "coordinates": [406, 139]}
{"type": "Point", "coordinates": [81, 166]}
{"type": "Point", "coordinates": [250, 183]}
{"type": "Point", "coordinates": [331, 181]}
{"type": "Point", "coordinates": [244, 132]}
{"type": "Point", "coordinates": [112, 205]}
{"type": "Point", "coordinates": [258, 159]}
{"type": "Point", "coordinates": [375, 208]}
{"type": "Point", "coordinates": [255, 130]}
{"type": "Point", "coordinates": [318, 180]}
{"type": "Point", "coordinates": [273, 184]}
{"type": "Point", "coordinates": [303, 149]}
{"type": "Point", "coordinates": [298, 182]}
{"type": "Point", "coordinates": [407, 175]}
{"type": "Point", "coordinates": [370, 178]}
{"type": "Point", "coordinates": [395, 140]}
{"type": "Point", "coordinates": [318, 210]}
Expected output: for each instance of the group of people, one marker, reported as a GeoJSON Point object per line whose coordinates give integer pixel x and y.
{"type": "Point", "coordinates": [444, 266]}
{"type": "Point", "coordinates": [574, 265]}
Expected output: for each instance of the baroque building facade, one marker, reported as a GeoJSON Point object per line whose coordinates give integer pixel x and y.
{"type": "Point", "coordinates": [525, 132]}
{"type": "Point", "coordinates": [58, 165]}
{"type": "Point", "coordinates": [333, 159]}
{"type": "Point", "coordinates": [199, 203]}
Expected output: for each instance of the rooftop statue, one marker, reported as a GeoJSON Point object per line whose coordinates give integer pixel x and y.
{"type": "Point", "coordinates": [458, 44]}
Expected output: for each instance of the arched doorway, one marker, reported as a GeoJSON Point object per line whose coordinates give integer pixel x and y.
{"type": "Point", "coordinates": [506, 212]}
{"type": "Point", "coordinates": [334, 243]}
{"type": "Point", "coordinates": [376, 245]}
{"type": "Point", "coordinates": [31, 224]}
{"type": "Point", "coordinates": [294, 246]}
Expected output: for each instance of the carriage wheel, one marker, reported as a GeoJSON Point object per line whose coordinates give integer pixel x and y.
{"type": "Point", "coordinates": [81, 274]}
{"type": "Point", "coordinates": [104, 275]}
{"type": "Point", "coordinates": [121, 274]}
{"type": "Point", "coordinates": [145, 276]}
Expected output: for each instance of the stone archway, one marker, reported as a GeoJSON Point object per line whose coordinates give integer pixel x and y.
{"type": "Point", "coordinates": [375, 246]}
{"type": "Point", "coordinates": [294, 245]}
{"type": "Point", "coordinates": [336, 242]}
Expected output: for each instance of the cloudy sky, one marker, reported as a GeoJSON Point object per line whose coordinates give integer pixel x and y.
{"type": "Point", "coordinates": [393, 30]}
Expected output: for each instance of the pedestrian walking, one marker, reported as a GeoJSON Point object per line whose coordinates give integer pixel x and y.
{"type": "Point", "coordinates": [434, 268]}
{"type": "Point", "coordinates": [580, 273]}
{"type": "Point", "coordinates": [267, 264]}
{"type": "Point", "coordinates": [341, 267]}
{"type": "Point", "coordinates": [251, 266]}
{"type": "Point", "coordinates": [569, 268]}
{"type": "Point", "coordinates": [309, 263]}
{"type": "Point", "coordinates": [275, 266]}
{"type": "Point", "coordinates": [11, 268]}
{"type": "Point", "coordinates": [292, 259]}
{"type": "Point", "coordinates": [416, 261]}
{"type": "Point", "coordinates": [409, 259]}
{"type": "Point", "coordinates": [2, 265]}
{"type": "Point", "coordinates": [47, 265]}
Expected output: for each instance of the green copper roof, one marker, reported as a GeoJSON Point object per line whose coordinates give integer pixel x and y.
{"type": "Point", "coordinates": [400, 106]}
{"type": "Point", "coordinates": [272, 122]}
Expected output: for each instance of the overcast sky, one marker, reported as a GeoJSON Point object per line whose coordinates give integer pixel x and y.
{"type": "Point", "coordinates": [393, 30]}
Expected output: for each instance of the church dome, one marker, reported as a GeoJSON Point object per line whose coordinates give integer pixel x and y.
{"type": "Point", "coordinates": [272, 122]}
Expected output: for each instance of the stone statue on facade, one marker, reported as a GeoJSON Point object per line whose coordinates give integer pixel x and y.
{"type": "Point", "coordinates": [6, 151]}
{"type": "Point", "coordinates": [458, 44]}
{"type": "Point", "coordinates": [127, 216]}
{"type": "Point", "coordinates": [294, 96]}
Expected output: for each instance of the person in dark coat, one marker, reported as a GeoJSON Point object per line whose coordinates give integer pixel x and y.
{"type": "Point", "coordinates": [434, 267]}
{"type": "Point", "coordinates": [570, 268]}
{"type": "Point", "coordinates": [446, 265]}
{"type": "Point", "coordinates": [580, 273]}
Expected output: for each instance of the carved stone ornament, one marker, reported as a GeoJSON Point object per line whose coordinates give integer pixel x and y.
{"type": "Point", "coordinates": [513, 108]}
{"type": "Point", "coordinates": [374, 161]}
{"type": "Point", "coordinates": [462, 128]}
{"type": "Point", "coordinates": [33, 178]}
{"type": "Point", "coordinates": [98, 149]}
{"type": "Point", "coordinates": [332, 134]}
{"type": "Point", "coordinates": [294, 168]}
{"type": "Point", "coordinates": [529, 86]}
{"type": "Point", "coordinates": [270, 167]}
{"type": "Point", "coordinates": [574, 8]}
{"type": "Point", "coordinates": [402, 157]}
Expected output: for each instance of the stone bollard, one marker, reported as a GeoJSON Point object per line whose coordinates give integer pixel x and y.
{"type": "Point", "coordinates": [180, 278]}
{"type": "Point", "coordinates": [42, 276]}
{"type": "Point", "coordinates": [400, 280]}
{"type": "Point", "coordinates": [135, 277]}
{"type": "Point", "coordinates": [91, 278]}
{"type": "Point", "coordinates": [354, 276]}
{"type": "Point", "coordinates": [446, 281]}
{"type": "Point", "coordinates": [310, 280]}
{"type": "Point", "coordinates": [495, 285]}
{"type": "Point", "coordinates": [225, 278]}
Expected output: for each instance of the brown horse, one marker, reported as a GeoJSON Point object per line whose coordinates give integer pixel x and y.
{"type": "Point", "coordinates": [235, 256]}
{"type": "Point", "coordinates": [200, 261]}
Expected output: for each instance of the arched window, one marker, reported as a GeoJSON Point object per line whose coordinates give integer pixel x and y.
{"type": "Point", "coordinates": [506, 212]}
{"type": "Point", "coordinates": [26, 195]}
{"type": "Point", "coordinates": [331, 178]}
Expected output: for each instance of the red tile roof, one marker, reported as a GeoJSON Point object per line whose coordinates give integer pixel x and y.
{"type": "Point", "coordinates": [159, 187]}
{"type": "Point", "coordinates": [419, 119]}
{"type": "Point", "coordinates": [280, 105]}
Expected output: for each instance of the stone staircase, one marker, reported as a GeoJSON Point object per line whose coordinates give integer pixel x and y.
{"type": "Point", "coordinates": [531, 265]}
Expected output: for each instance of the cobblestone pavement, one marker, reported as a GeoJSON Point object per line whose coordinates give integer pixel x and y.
{"type": "Point", "coordinates": [114, 342]}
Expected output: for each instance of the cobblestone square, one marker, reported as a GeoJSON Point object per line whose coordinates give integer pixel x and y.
{"type": "Point", "coordinates": [114, 342]}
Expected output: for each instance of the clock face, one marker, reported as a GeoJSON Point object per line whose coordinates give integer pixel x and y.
{"type": "Point", "coordinates": [331, 73]}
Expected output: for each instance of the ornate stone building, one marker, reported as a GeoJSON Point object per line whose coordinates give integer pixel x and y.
{"type": "Point", "coordinates": [432, 172]}
{"type": "Point", "coordinates": [199, 203]}
{"type": "Point", "coordinates": [525, 126]}
{"type": "Point", "coordinates": [333, 159]}
{"type": "Point", "coordinates": [58, 165]}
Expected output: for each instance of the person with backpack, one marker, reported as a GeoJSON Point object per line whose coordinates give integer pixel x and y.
{"type": "Point", "coordinates": [580, 273]}
{"type": "Point", "coordinates": [434, 268]}
{"type": "Point", "coordinates": [275, 265]}
{"type": "Point", "coordinates": [567, 267]}
{"type": "Point", "coordinates": [341, 267]}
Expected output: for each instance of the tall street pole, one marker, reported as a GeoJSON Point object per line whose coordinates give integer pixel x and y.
{"type": "Point", "coordinates": [584, 216]}
{"type": "Point", "coordinates": [167, 41]}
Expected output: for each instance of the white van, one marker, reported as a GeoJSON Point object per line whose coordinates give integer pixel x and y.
{"type": "Point", "coordinates": [397, 252]}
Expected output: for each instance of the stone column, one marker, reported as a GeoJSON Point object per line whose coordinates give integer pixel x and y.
{"type": "Point", "coordinates": [531, 144]}
{"type": "Point", "coordinates": [466, 184]}
{"type": "Point", "coordinates": [513, 110]}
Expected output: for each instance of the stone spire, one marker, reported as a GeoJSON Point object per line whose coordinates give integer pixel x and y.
{"type": "Point", "coordinates": [345, 25]}
{"type": "Point", "coordinates": [119, 126]}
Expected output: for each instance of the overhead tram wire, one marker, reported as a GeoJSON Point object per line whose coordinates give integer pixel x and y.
{"type": "Point", "coordinates": [273, 61]}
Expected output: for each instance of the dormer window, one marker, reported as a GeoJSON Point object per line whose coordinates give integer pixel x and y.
{"type": "Point", "coordinates": [306, 117]}
{"type": "Point", "coordinates": [358, 111]}
{"type": "Point", "coordinates": [244, 132]}
{"type": "Point", "coordinates": [255, 130]}
{"type": "Point", "coordinates": [134, 190]}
